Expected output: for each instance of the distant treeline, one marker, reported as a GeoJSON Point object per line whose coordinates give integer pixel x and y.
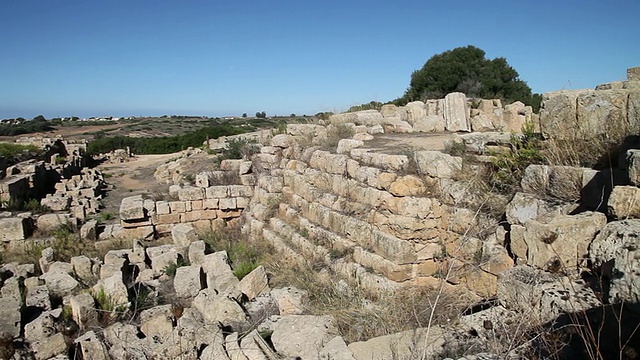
{"type": "Point", "coordinates": [162, 145]}
{"type": "Point", "coordinates": [25, 127]}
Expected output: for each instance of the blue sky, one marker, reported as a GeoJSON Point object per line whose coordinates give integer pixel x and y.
{"type": "Point", "coordinates": [215, 58]}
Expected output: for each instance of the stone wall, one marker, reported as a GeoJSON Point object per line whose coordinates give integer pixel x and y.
{"type": "Point", "coordinates": [579, 114]}
{"type": "Point", "coordinates": [370, 215]}
{"type": "Point", "coordinates": [453, 113]}
{"type": "Point", "coordinates": [206, 208]}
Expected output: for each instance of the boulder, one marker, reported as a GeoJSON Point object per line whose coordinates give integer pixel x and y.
{"type": "Point", "coordinates": [49, 347]}
{"type": "Point", "coordinates": [89, 231]}
{"type": "Point", "coordinates": [429, 123]}
{"type": "Point", "coordinates": [615, 251]}
{"type": "Point", "coordinates": [219, 274]}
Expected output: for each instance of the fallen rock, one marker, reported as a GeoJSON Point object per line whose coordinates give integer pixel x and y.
{"type": "Point", "coordinates": [254, 283]}
{"type": "Point", "coordinates": [301, 336]}
{"type": "Point", "coordinates": [218, 308]}
{"type": "Point", "coordinates": [616, 252]}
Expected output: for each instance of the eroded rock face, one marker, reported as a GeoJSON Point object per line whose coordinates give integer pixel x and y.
{"type": "Point", "coordinates": [616, 250]}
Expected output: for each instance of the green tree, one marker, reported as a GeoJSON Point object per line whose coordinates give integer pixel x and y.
{"type": "Point", "coordinates": [465, 69]}
{"type": "Point", "coordinates": [244, 115]}
{"type": "Point", "coordinates": [261, 115]}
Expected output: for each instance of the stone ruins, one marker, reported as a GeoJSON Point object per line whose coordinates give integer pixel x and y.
{"type": "Point", "coordinates": [381, 218]}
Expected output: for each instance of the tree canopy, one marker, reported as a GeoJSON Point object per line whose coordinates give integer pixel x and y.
{"type": "Point", "coordinates": [465, 69]}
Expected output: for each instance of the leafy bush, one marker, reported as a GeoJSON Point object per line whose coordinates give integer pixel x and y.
{"type": "Point", "coordinates": [13, 152]}
{"type": "Point", "coordinates": [466, 69]}
{"type": "Point", "coordinates": [239, 148]}
{"type": "Point", "coordinates": [170, 270]}
{"type": "Point", "coordinates": [161, 145]}
{"type": "Point", "coordinates": [509, 166]}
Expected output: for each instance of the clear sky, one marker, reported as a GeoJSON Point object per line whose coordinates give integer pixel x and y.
{"type": "Point", "coordinates": [226, 57]}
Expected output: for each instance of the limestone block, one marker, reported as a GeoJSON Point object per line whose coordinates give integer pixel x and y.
{"type": "Point", "coordinates": [162, 256]}
{"type": "Point", "coordinates": [132, 208]}
{"type": "Point", "coordinates": [415, 111]}
{"type": "Point", "coordinates": [346, 145]}
{"type": "Point", "coordinates": [10, 306]}
{"type": "Point", "coordinates": [437, 164]}
{"type": "Point", "coordinates": [615, 249]}
{"type": "Point", "coordinates": [562, 242]}
{"type": "Point", "coordinates": [60, 283]}
{"type": "Point", "coordinates": [183, 235]}
{"type": "Point", "coordinates": [633, 74]}
{"type": "Point", "coordinates": [167, 219]}
{"type": "Point", "coordinates": [624, 202]}
{"type": "Point", "coordinates": [218, 308]}
{"type": "Point", "coordinates": [397, 126]}
{"type": "Point", "coordinates": [40, 328]}
{"type": "Point", "coordinates": [408, 185]}
{"type": "Point", "coordinates": [291, 300]}
{"type": "Point", "coordinates": [188, 281]}
{"type": "Point", "coordinates": [190, 193]}
{"type": "Point", "coordinates": [600, 111]}
{"type": "Point", "coordinates": [177, 207]}
{"type": "Point", "coordinates": [197, 252]}
{"type": "Point", "coordinates": [282, 140]}
{"type": "Point", "coordinates": [227, 204]}
{"type": "Point", "coordinates": [89, 230]}
{"type": "Point", "coordinates": [633, 166]}
{"type": "Point", "coordinates": [456, 113]}
{"type": "Point", "coordinates": [209, 204]}
{"type": "Point", "coordinates": [157, 323]}
{"type": "Point", "coordinates": [83, 310]}
{"type": "Point", "coordinates": [240, 190]}
{"type": "Point", "coordinates": [52, 222]}
{"type": "Point", "coordinates": [430, 123]}
{"type": "Point", "coordinates": [49, 347]}
{"type": "Point", "coordinates": [216, 192]}
{"type": "Point", "coordinates": [14, 229]}
{"type": "Point", "coordinates": [254, 283]}
{"type": "Point", "coordinates": [301, 336]}
{"type": "Point", "coordinates": [337, 349]}
{"type": "Point", "coordinates": [219, 273]}
{"type": "Point", "coordinates": [558, 113]}
{"type": "Point", "coordinates": [162, 208]}
{"type": "Point", "coordinates": [56, 203]}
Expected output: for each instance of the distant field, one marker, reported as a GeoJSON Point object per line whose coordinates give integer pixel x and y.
{"type": "Point", "coordinates": [153, 127]}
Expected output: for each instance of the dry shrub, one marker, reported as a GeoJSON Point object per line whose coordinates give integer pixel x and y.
{"type": "Point", "coordinates": [361, 314]}
{"type": "Point", "coordinates": [593, 148]}
{"type": "Point", "coordinates": [335, 133]}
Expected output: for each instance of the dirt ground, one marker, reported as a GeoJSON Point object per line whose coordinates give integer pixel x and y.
{"type": "Point", "coordinates": [67, 132]}
{"type": "Point", "coordinates": [132, 178]}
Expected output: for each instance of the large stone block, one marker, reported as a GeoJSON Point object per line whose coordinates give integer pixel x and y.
{"type": "Point", "coordinates": [132, 208]}
{"type": "Point", "coordinates": [14, 229]}
{"type": "Point", "coordinates": [437, 164]}
{"type": "Point", "coordinates": [456, 112]}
